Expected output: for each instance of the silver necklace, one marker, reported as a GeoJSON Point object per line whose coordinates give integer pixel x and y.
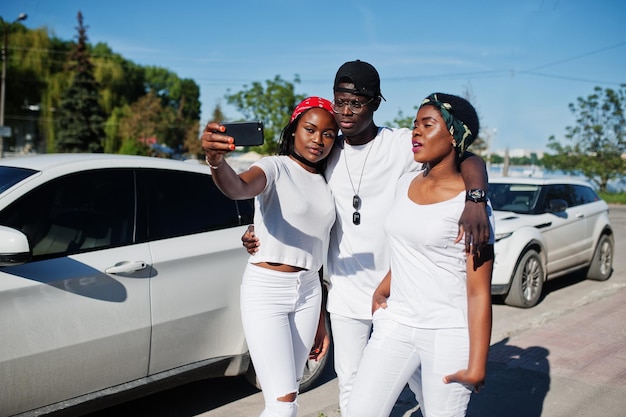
{"type": "Point", "coordinates": [356, 200]}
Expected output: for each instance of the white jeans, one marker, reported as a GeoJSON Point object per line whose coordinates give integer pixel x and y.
{"type": "Point", "coordinates": [396, 355]}
{"type": "Point", "coordinates": [350, 337]}
{"type": "Point", "coordinates": [280, 312]}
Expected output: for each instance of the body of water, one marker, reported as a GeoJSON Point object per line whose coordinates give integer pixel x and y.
{"type": "Point", "coordinates": [533, 171]}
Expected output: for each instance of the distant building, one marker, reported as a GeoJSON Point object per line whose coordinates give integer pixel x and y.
{"type": "Point", "coordinates": [518, 153]}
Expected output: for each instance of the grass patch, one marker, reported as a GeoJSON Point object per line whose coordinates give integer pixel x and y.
{"type": "Point", "coordinates": [613, 198]}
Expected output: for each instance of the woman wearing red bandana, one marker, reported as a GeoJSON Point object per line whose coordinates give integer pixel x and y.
{"type": "Point", "coordinates": [281, 293]}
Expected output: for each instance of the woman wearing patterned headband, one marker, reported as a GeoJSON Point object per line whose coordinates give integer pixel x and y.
{"type": "Point", "coordinates": [281, 294]}
{"type": "Point", "coordinates": [432, 312]}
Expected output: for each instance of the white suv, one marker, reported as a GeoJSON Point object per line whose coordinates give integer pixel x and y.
{"type": "Point", "coordinates": [546, 228]}
{"type": "Point", "coordinates": [116, 272]}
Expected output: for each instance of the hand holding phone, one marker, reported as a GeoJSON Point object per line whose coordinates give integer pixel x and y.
{"type": "Point", "coordinates": [245, 133]}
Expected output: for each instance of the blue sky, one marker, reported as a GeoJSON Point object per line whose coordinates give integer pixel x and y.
{"type": "Point", "coordinates": [523, 61]}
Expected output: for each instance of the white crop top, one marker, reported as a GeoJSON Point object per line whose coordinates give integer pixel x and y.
{"type": "Point", "coordinates": [293, 215]}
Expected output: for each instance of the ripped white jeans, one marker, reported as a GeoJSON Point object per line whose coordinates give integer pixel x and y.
{"type": "Point", "coordinates": [280, 313]}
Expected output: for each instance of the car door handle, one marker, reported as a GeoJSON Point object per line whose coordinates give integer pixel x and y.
{"type": "Point", "coordinates": [580, 215]}
{"type": "Point", "coordinates": [126, 267]}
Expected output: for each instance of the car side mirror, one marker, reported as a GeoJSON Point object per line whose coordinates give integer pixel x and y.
{"type": "Point", "coordinates": [14, 247]}
{"type": "Point", "coordinates": [557, 206]}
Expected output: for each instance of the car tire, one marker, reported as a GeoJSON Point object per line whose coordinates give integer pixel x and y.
{"type": "Point", "coordinates": [601, 266]}
{"type": "Point", "coordinates": [527, 282]}
{"type": "Point", "coordinates": [312, 370]}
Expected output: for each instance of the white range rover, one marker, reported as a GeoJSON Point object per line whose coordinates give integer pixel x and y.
{"type": "Point", "coordinates": [546, 228]}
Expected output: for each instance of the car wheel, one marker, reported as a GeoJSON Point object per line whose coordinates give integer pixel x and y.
{"type": "Point", "coordinates": [602, 263]}
{"type": "Point", "coordinates": [527, 282]}
{"type": "Point", "coordinates": [312, 370]}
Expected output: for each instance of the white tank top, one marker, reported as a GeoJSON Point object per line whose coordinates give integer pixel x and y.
{"type": "Point", "coordinates": [428, 270]}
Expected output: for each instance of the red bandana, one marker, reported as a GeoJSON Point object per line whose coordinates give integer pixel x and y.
{"type": "Point", "coordinates": [309, 103]}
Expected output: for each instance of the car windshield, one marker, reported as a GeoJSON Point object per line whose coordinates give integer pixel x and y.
{"type": "Point", "coordinates": [9, 176]}
{"type": "Point", "coordinates": [518, 198]}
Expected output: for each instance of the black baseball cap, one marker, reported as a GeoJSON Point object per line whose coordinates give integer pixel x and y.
{"type": "Point", "coordinates": [364, 77]}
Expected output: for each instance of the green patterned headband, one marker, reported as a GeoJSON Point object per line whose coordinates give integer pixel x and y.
{"type": "Point", "coordinates": [462, 134]}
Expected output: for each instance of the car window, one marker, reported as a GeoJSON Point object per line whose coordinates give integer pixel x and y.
{"type": "Point", "coordinates": [10, 176]}
{"type": "Point", "coordinates": [181, 203]}
{"type": "Point", "coordinates": [585, 195]}
{"type": "Point", "coordinates": [565, 192]}
{"type": "Point", "coordinates": [76, 213]}
{"type": "Point", "coordinates": [519, 198]}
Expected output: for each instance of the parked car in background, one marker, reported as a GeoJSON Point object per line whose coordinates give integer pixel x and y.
{"type": "Point", "coordinates": [118, 275]}
{"type": "Point", "coordinates": [546, 228]}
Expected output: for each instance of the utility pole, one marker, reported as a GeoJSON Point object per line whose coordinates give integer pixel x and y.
{"type": "Point", "coordinates": [6, 28]}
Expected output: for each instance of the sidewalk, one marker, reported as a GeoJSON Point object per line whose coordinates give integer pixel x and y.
{"type": "Point", "coordinates": [573, 366]}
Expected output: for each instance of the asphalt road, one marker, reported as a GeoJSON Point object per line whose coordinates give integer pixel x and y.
{"type": "Point", "coordinates": [545, 336]}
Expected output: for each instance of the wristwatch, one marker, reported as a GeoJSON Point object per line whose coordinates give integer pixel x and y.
{"type": "Point", "coordinates": [476, 195]}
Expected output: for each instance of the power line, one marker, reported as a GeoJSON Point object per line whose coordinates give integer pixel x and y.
{"type": "Point", "coordinates": [562, 77]}
{"type": "Point", "coordinates": [532, 71]}
{"type": "Point", "coordinates": [451, 76]}
{"type": "Point", "coordinates": [597, 51]}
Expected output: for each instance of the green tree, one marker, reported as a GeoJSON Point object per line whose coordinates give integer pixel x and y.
{"type": "Point", "coordinates": [80, 117]}
{"type": "Point", "coordinates": [496, 159]}
{"type": "Point", "coordinates": [56, 81]}
{"type": "Point", "coordinates": [66, 95]}
{"type": "Point", "coordinates": [402, 120]}
{"type": "Point", "coordinates": [218, 114]}
{"type": "Point", "coordinates": [121, 81]}
{"type": "Point", "coordinates": [113, 139]}
{"type": "Point", "coordinates": [272, 103]}
{"type": "Point", "coordinates": [144, 122]}
{"type": "Point", "coordinates": [183, 95]}
{"type": "Point", "coordinates": [25, 69]}
{"type": "Point", "coordinates": [180, 95]}
{"type": "Point", "coordinates": [16, 74]}
{"type": "Point", "coordinates": [597, 145]}
{"type": "Point", "coordinates": [193, 145]}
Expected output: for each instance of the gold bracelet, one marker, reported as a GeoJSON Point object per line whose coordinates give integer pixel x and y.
{"type": "Point", "coordinates": [206, 159]}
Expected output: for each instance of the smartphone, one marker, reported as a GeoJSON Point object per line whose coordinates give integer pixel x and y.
{"type": "Point", "coordinates": [245, 133]}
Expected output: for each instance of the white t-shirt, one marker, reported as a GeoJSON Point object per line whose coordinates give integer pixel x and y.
{"type": "Point", "coordinates": [428, 270]}
{"type": "Point", "coordinates": [293, 215]}
{"type": "Point", "coordinates": [358, 257]}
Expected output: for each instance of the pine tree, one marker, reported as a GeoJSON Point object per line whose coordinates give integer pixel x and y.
{"type": "Point", "coordinates": [80, 118]}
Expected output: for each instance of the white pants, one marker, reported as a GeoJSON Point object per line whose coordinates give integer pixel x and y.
{"type": "Point", "coordinates": [396, 355]}
{"type": "Point", "coordinates": [280, 313]}
{"type": "Point", "coordinates": [350, 337]}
